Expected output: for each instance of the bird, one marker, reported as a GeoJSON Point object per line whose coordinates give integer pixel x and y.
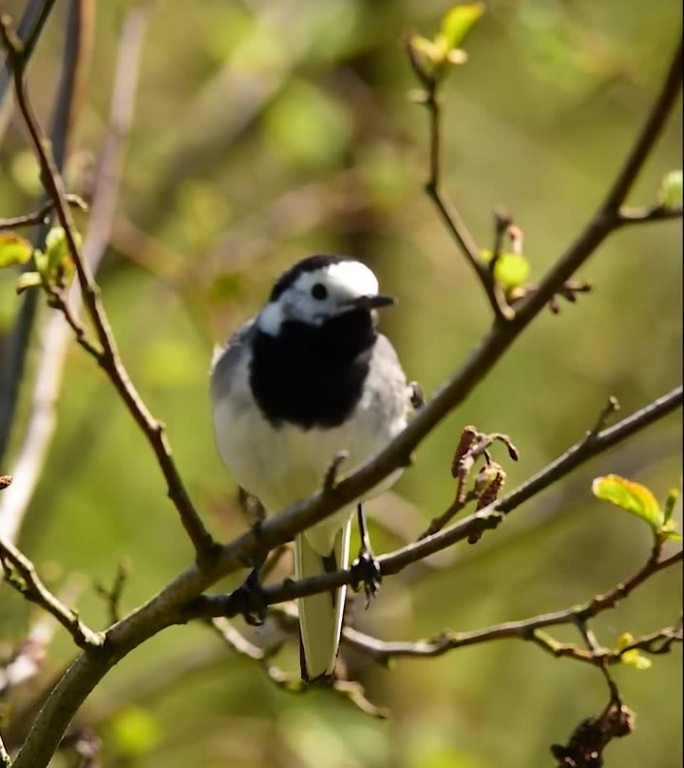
{"type": "Point", "coordinates": [307, 379]}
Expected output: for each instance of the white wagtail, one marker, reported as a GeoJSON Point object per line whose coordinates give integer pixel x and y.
{"type": "Point", "coordinates": [306, 378]}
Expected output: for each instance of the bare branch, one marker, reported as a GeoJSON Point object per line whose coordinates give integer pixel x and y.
{"type": "Point", "coordinates": [112, 595]}
{"type": "Point", "coordinates": [530, 629]}
{"type": "Point", "coordinates": [646, 140]}
{"type": "Point", "coordinates": [110, 360]}
{"type": "Point", "coordinates": [41, 215]}
{"type": "Point", "coordinates": [647, 214]}
{"type": "Point", "coordinates": [20, 573]}
{"type": "Point", "coordinates": [29, 657]}
{"type": "Point", "coordinates": [54, 335]}
{"type": "Point", "coordinates": [79, 21]}
{"type": "Point", "coordinates": [471, 526]}
{"type": "Point", "coordinates": [431, 99]}
{"type": "Point", "coordinates": [29, 30]}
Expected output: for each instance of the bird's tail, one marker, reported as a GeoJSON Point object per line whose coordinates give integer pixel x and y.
{"type": "Point", "coordinates": [320, 616]}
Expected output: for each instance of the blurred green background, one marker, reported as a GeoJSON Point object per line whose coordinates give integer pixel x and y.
{"type": "Point", "coordinates": [265, 131]}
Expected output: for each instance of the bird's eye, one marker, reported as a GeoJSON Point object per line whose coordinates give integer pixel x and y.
{"type": "Point", "coordinates": [319, 291]}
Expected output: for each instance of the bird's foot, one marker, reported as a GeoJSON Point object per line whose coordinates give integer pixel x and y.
{"type": "Point", "coordinates": [365, 570]}
{"type": "Point", "coordinates": [251, 598]}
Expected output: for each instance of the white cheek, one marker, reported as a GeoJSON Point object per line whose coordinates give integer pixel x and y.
{"type": "Point", "coordinates": [271, 318]}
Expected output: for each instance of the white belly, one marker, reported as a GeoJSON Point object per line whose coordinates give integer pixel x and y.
{"type": "Point", "coordinates": [287, 464]}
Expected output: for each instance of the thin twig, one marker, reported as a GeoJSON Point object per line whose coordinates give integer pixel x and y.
{"type": "Point", "coordinates": [29, 30]}
{"type": "Point", "coordinates": [79, 21]}
{"type": "Point", "coordinates": [648, 136]}
{"type": "Point", "coordinates": [41, 215]}
{"type": "Point", "coordinates": [21, 574]}
{"type": "Point", "coordinates": [110, 361]}
{"type": "Point", "coordinates": [29, 657]}
{"type": "Point", "coordinates": [112, 595]}
{"type": "Point", "coordinates": [529, 629]}
{"type": "Point", "coordinates": [474, 524]}
{"type": "Point", "coordinates": [647, 214]}
{"type": "Point", "coordinates": [447, 211]}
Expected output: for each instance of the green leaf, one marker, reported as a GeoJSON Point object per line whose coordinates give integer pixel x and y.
{"type": "Point", "coordinates": [670, 503]}
{"type": "Point", "coordinates": [14, 250]}
{"type": "Point", "coordinates": [458, 21]}
{"type": "Point", "coordinates": [630, 496]}
{"type": "Point", "coordinates": [634, 657]}
{"type": "Point", "coordinates": [28, 280]}
{"type": "Point", "coordinates": [57, 249]}
{"type": "Point", "coordinates": [671, 190]}
{"type": "Point", "coordinates": [511, 270]}
{"type": "Point", "coordinates": [434, 51]}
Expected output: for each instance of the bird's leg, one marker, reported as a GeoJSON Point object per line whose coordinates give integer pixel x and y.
{"type": "Point", "coordinates": [365, 569]}
{"type": "Point", "coordinates": [250, 594]}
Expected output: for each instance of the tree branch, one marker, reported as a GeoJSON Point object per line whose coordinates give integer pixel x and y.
{"type": "Point", "coordinates": [78, 24]}
{"type": "Point", "coordinates": [474, 524]}
{"type": "Point", "coordinates": [433, 187]}
{"type": "Point", "coordinates": [20, 573]}
{"type": "Point", "coordinates": [109, 360]}
{"type": "Point", "coordinates": [651, 130]}
{"type": "Point", "coordinates": [41, 215]}
{"type": "Point", "coordinates": [647, 214]}
{"type": "Point", "coordinates": [529, 629]}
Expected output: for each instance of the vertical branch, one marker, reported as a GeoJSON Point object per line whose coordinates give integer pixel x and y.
{"type": "Point", "coordinates": [650, 132]}
{"type": "Point", "coordinates": [109, 359]}
{"type": "Point", "coordinates": [29, 30]}
{"type": "Point", "coordinates": [76, 56]}
{"type": "Point", "coordinates": [433, 187]}
{"type": "Point", "coordinates": [55, 334]}
{"type": "Point", "coordinates": [607, 217]}
{"type": "Point", "coordinates": [46, 386]}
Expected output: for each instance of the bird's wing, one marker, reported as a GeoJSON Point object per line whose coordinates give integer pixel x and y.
{"type": "Point", "coordinates": [387, 378]}
{"type": "Point", "coordinates": [227, 358]}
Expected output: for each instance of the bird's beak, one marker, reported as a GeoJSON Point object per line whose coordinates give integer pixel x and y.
{"type": "Point", "coordinates": [376, 301]}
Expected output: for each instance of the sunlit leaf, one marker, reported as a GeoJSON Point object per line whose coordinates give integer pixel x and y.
{"type": "Point", "coordinates": [634, 657]}
{"type": "Point", "coordinates": [28, 280]}
{"type": "Point", "coordinates": [630, 496]}
{"type": "Point", "coordinates": [671, 190]}
{"type": "Point", "coordinates": [458, 21]}
{"type": "Point", "coordinates": [434, 51]}
{"type": "Point", "coordinates": [57, 248]}
{"type": "Point", "coordinates": [511, 270]}
{"type": "Point", "coordinates": [14, 250]}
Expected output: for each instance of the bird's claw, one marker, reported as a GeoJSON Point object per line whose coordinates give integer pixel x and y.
{"type": "Point", "coordinates": [365, 571]}
{"type": "Point", "coordinates": [252, 600]}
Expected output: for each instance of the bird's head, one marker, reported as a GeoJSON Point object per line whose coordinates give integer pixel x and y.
{"type": "Point", "coordinates": [319, 289]}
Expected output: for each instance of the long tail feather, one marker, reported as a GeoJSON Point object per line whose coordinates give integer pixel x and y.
{"type": "Point", "coordinates": [320, 616]}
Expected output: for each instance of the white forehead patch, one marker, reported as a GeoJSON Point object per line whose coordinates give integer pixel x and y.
{"type": "Point", "coordinates": [353, 277]}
